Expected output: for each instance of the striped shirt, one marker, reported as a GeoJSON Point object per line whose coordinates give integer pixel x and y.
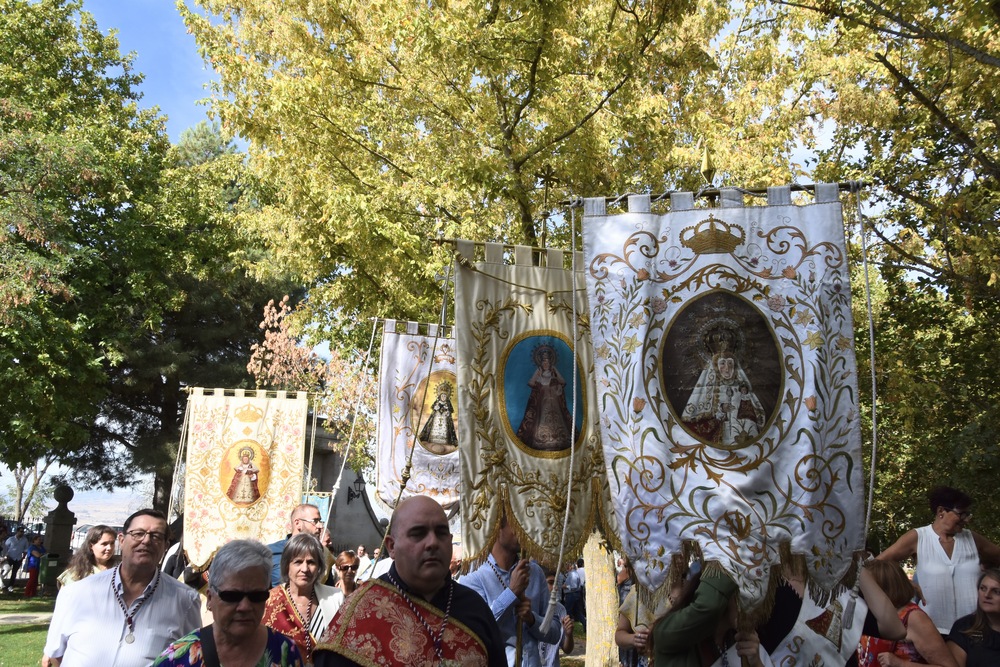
{"type": "Point", "coordinates": [88, 627]}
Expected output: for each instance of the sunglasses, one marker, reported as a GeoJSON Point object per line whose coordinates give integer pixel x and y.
{"type": "Point", "coordinates": [345, 568]}
{"type": "Point", "coordinates": [235, 597]}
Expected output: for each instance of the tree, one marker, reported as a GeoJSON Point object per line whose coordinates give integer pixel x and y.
{"type": "Point", "coordinates": [383, 128]}
{"type": "Point", "coordinates": [78, 169]}
{"type": "Point", "coordinates": [343, 389]}
{"type": "Point", "coordinates": [206, 327]}
{"type": "Point", "coordinates": [28, 493]}
{"type": "Point", "coordinates": [908, 89]}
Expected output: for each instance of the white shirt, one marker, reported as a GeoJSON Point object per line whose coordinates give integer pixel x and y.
{"type": "Point", "coordinates": [88, 627]}
{"type": "Point", "coordinates": [948, 584]}
{"type": "Point", "coordinates": [364, 565]}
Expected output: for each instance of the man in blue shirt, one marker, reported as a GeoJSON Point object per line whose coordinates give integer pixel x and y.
{"type": "Point", "coordinates": [517, 595]}
{"type": "Point", "coordinates": [305, 519]}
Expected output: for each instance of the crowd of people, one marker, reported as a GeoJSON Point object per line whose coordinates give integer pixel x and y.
{"type": "Point", "coordinates": [297, 603]}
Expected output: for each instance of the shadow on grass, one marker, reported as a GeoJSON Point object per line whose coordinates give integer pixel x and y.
{"type": "Point", "coordinates": [11, 630]}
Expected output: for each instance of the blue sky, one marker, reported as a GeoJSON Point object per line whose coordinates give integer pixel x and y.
{"type": "Point", "coordinates": [164, 52]}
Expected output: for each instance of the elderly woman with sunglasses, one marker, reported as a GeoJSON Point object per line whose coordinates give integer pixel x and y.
{"type": "Point", "coordinates": [948, 557]}
{"type": "Point", "coordinates": [300, 607]}
{"type": "Point", "coordinates": [238, 582]}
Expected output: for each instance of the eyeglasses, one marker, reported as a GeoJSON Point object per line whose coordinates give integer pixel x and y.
{"type": "Point", "coordinates": [235, 597]}
{"type": "Point", "coordinates": [316, 522]}
{"type": "Point", "coordinates": [986, 590]}
{"type": "Point", "coordinates": [345, 568]}
{"type": "Point", "coordinates": [964, 515]}
{"type": "Point", "coordinates": [139, 535]}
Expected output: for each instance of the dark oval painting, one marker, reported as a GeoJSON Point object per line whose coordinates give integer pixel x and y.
{"type": "Point", "coordinates": [535, 376]}
{"type": "Point", "coordinates": [721, 370]}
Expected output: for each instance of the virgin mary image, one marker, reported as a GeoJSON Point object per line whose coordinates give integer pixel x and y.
{"type": "Point", "coordinates": [243, 489]}
{"type": "Point", "coordinates": [546, 422]}
{"type": "Point", "coordinates": [438, 434]}
{"type": "Point", "coordinates": [723, 408]}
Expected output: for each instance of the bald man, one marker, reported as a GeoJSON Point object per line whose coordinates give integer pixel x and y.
{"type": "Point", "coordinates": [435, 619]}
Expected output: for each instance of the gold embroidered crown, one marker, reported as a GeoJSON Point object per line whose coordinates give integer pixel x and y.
{"type": "Point", "coordinates": [249, 413]}
{"type": "Point", "coordinates": [712, 236]}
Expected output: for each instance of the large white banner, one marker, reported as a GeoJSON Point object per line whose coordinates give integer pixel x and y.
{"type": "Point", "coordinates": [724, 352]}
{"type": "Point", "coordinates": [418, 400]}
{"type": "Point", "coordinates": [244, 468]}
{"type": "Point", "coordinates": [517, 343]}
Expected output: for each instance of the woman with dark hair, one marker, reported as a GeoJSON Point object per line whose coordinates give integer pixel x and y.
{"type": "Point", "coordinates": [301, 607]}
{"type": "Point", "coordinates": [238, 583]}
{"type": "Point", "coordinates": [975, 639]}
{"type": "Point", "coordinates": [700, 628]}
{"type": "Point", "coordinates": [948, 557]}
{"type": "Point", "coordinates": [96, 554]}
{"type": "Point", "coordinates": [923, 644]}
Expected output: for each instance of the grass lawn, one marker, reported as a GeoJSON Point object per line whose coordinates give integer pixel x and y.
{"type": "Point", "coordinates": [21, 644]}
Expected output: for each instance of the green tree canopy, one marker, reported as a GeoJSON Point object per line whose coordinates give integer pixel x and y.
{"type": "Point", "coordinates": [79, 163]}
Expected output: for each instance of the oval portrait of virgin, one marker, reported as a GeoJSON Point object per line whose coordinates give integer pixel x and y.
{"type": "Point", "coordinates": [245, 472]}
{"type": "Point", "coordinates": [433, 409]}
{"type": "Point", "coordinates": [536, 372]}
{"type": "Point", "coordinates": [720, 369]}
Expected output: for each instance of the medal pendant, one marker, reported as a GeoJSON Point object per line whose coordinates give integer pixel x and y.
{"type": "Point", "coordinates": [129, 638]}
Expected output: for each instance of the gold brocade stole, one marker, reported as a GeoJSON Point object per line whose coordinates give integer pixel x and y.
{"type": "Point", "coordinates": [376, 628]}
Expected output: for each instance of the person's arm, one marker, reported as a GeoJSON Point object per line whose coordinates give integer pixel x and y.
{"type": "Point", "coordinates": [989, 553]}
{"type": "Point", "coordinates": [538, 593]}
{"type": "Point", "coordinates": [498, 606]}
{"type": "Point", "coordinates": [925, 637]}
{"type": "Point", "coordinates": [567, 630]}
{"type": "Point", "coordinates": [626, 638]}
{"type": "Point", "coordinates": [686, 627]}
{"type": "Point", "coordinates": [902, 549]}
{"type": "Point", "coordinates": [958, 653]}
{"type": "Point", "coordinates": [889, 625]}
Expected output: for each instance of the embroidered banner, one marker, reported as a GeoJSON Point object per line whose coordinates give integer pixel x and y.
{"type": "Point", "coordinates": [724, 353]}
{"type": "Point", "coordinates": [418, 396]}
{"type": "Point", "coordinates": [244, 467]}
{"type": "Point", "coordinates": [515, 335]}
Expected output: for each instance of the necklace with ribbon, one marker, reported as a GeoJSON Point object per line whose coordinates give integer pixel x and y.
{"type": "Point", "coordinates": [130, 618]}
{"type": "Point", "coordinates": [305, 619]}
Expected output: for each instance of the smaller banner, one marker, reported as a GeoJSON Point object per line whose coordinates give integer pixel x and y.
{"type": "Point", "coordinates": [528, 408]}
{"type": "Point", "coordinates": [418, 400]}
{"type": "Point", "coordinates": [244, 469]}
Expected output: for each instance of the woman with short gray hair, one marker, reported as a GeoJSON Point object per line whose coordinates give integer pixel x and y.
{"type": "Point", "coordinates": [238, 582]}
{"type": "Point", "coordinates": [301, 607]}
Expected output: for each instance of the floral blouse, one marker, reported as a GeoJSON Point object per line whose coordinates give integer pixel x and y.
{"type": "Point", "coordinates": [280, 651]}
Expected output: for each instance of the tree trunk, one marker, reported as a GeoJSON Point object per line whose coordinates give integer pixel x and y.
{"type": "Point", "coordinates": [602, 604]}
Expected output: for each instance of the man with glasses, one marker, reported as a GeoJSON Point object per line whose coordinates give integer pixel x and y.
{"type": "Point", "coordinates": [125, 616]}
{"type": "Point", "coordinates": [305, 519]}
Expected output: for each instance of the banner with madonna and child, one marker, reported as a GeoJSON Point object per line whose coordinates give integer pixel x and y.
{"type": "Point", "coordinates": [724, 354]}
{"type": "Point", "coordinates": [417, 416]}
{"type": "Point", "coordinates": [521, 325]}
{"type": "Point", "coordinates": [244, 467]}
